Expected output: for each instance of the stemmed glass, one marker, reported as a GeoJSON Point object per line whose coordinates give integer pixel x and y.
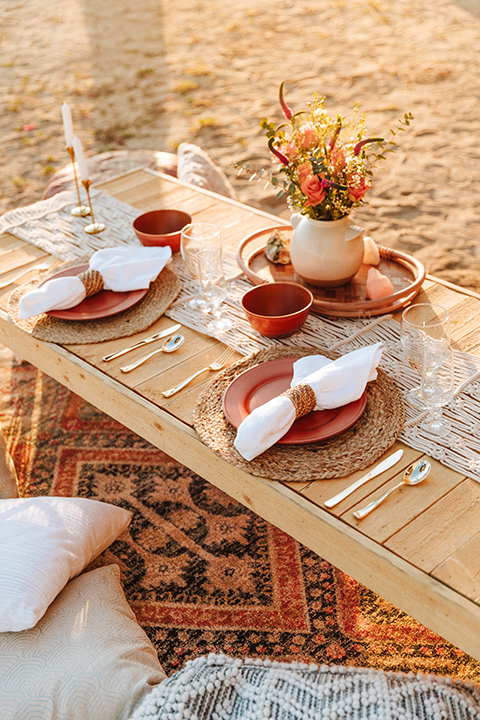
{"type": "Point", "coordinates": [195, 237]}
{"type": "Point", "coordinates": [437, 387]}
{"type": "Point", "coordinates": [213, 288]}
{"type": "Point", "coordinates": [421, 323]}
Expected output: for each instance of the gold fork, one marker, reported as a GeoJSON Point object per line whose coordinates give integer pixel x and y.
{"type": "Point", "coordinates": [217, 364]}
{"type": "Point", "coordinates": [41, 266]}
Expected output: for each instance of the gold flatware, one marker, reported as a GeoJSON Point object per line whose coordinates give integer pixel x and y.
{"type": "Point", "coordinates": [157, 336]}
{"type": "Point", "coordinates": [168, 346]}
{"type": "Point", "coordinates": [217, 364]}
{"type": "Point", "coordinates": [389, 462]}
{"type": "Point", "coordinates": [414, 474]}
{"type": "Point", "coordinates": [42, 266]}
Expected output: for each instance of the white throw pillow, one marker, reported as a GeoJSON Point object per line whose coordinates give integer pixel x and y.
{"type": "Point", "coordinates": [87, 658]}
{"type": "Point", "coordinates": [44, 542]}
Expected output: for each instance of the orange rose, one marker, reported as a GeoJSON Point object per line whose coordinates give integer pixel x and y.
{"type": "Point", "coordinates": [358, 190]}
{"type": "Point", "coordinates": [312, 187]}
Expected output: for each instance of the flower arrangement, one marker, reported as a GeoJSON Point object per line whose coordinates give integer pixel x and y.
{"type": "Point", "coordinates": [326, 162]}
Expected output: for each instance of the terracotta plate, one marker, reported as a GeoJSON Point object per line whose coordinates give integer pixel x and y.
{"type": "Point", "coordinates": [261, 383]}
{"type": "Point", "coordinates": [100, 305]}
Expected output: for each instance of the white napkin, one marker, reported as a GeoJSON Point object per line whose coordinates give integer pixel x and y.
{"type": "Point", "coordinates": [335, 383]}
{"type": "Point", "coordinates": [123, 269]}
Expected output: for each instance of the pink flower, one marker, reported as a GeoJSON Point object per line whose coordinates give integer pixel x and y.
{"type": "Point", "coordinates": [312, 187]}
{"type": "Point", "coordinates": [338, 159]}
{"type": "Point", "coordinates": [359, 145]}
{"type": "Point", "coordinates": [290, 149]}
{"type": "Point", "coordinates": [29, 128]}
{"type": "Point", "coordinates": [307, 137]}
{"type": "Point", "coordinates": [285, 109]}
{"type": "Point", "coordinates": [303, 171]}
{"type": "Point", "coordinates": [357, 191]}
{"type": "Point", "coordinates": [283, 158]}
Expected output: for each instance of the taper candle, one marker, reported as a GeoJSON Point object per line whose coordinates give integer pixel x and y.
{"type": "Point", "coordinates": [67, 125]}
{"type": "Point", "coordinates": [80, 158]}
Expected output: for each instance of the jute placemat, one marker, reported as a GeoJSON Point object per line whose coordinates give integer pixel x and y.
{"type": "Point", "coordinates": [161, 294]}
{"type": "Point", "coordinates": [354, 449]}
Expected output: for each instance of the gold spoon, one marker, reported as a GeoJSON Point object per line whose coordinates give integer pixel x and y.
{"type": "Point", "coordinates": [414, 474]}
{"type": "Point", "coordinates": [168, 346]}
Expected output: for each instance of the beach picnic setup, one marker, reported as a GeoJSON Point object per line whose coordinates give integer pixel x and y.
{"type": "Point", "coordinates": [320, 378]}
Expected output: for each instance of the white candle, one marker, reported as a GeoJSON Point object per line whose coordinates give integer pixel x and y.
{"type": "Point", "coordinates": [80, 158]}
{"type": "Point", "coordinates": [67, 125]}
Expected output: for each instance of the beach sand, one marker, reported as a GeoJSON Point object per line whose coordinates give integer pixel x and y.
{"type": "Point", "coordinates": [153, 74]}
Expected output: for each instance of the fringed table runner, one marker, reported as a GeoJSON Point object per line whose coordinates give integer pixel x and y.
{"type": "Point", "coordinates": [49, 225]}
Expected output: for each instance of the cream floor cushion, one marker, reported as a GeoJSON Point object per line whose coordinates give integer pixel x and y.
{"type": "Point", "coordinates": [86, 659]}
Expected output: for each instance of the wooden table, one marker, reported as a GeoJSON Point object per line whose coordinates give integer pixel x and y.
{"type": "Point", "coordinates": [421, 552]}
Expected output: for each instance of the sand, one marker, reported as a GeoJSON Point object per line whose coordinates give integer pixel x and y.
{"type": "Point", "coordinates": [153, 74]}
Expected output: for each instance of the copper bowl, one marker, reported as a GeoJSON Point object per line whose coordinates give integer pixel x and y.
{"type": "Point", "coordinates": [161, 227]}
{"type": "Point", "coordinates": [277, 309]}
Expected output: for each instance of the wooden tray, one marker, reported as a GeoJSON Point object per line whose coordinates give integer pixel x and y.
{"type": "Point", "coordinates": [406, 273]}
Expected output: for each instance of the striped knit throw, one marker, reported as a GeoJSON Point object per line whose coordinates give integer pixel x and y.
{"type": "Point", "coordinates": [217, 687]}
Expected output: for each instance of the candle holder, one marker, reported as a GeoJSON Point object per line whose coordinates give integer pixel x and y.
{"type": "Point", "coordinates": [81, 210]}
{"type": "Point", "coordinates": [94, 228]}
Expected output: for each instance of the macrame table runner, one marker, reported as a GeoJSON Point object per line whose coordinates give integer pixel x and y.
{"type": "Point", "coordinates": [49, 225]}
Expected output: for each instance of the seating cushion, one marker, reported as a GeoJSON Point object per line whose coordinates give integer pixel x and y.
{"type": "Point", "coordinates": [196, 167]}
{"type": "Point", "coordinates": [44, 542]}
{"type": "Point", "coordinates": [8, 476]}
{"type": "Point", "coordinates": [219, 686]}
{"type": "Point", "coordinates": [87, 659]}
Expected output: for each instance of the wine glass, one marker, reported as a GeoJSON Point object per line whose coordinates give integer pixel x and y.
{"type": "Point", "coordinates": [437, 387]}
{"type": "Point", "coordinates": [213, 288]}
{"type": "Point", "coordinates": [420, 323]}
{"type": "Point", "coordinates": [196, 236]}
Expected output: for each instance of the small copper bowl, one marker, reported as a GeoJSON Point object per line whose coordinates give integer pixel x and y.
{"type": "Point", "coordinates": [277, 309]}
{"type": "Point", "coordinates": [161, 227]}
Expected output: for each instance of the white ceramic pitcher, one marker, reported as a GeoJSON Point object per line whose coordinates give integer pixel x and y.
{"type": "Point", "coordinates": [326, 253]}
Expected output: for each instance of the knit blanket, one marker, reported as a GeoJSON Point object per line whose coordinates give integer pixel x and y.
{"type": "Point", "coordinates": [215, 687]}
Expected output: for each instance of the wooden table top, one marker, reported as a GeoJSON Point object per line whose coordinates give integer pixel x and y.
{"type": "Point", "coordinates": [421, 552]}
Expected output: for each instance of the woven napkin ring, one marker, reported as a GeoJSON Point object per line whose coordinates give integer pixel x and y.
{"type": "Point", "coordinates": [303, 399]}
{"type": "Point", "coordinates": [92, 280]}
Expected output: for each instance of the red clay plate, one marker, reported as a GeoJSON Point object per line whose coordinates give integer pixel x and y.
{"type": "Point", "coordinates": [100, 305]}
{"type": "Point", "coordinates": [263, 382]}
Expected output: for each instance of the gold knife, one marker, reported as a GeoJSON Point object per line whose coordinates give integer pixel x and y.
{"type": "Point", "coordinates": [389, 462]}
{"type": "Point", "coordinates": [157, 336]}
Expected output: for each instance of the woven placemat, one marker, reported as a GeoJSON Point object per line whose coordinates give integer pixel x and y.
{"type": "Point", "coordinates": [161, 294]}
{"type": "Point", "coordinates": [356, 448]}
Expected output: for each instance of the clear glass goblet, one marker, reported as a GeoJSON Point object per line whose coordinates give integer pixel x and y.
{"type": "Point", "coordinates": [213, 289]}
{"type": "Point", "coordinates": [195, 237]}
{"type": "Point", "coordinates": [437, 387]}
{"type": "Point", "coordinates": [421, 323]}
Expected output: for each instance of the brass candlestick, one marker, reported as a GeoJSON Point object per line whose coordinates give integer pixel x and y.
{"type": "Point", "coordinates": [81, 210]}
{"type": "Point", "coordinates": [94, 227]}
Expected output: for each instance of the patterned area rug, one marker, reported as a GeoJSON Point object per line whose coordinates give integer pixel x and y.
{"type": "Point", "coordinates": [201, 572]}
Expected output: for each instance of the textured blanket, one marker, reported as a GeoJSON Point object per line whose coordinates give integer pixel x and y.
{"type": "Point", "coordinates": [215, 687]}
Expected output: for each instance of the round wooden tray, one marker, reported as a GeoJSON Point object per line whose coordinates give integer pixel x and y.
{"type": "Point", "coordinates": [406, 273]}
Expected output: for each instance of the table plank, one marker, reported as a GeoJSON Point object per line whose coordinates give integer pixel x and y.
{"type": "Point", "coordinates": [443, 528]}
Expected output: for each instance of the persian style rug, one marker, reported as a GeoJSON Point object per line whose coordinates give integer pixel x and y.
{"type": "Point", "coordinates": [202, 573]}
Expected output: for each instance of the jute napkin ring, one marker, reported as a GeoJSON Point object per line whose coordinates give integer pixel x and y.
{"type": "Point", "coordinates": [353, 449]}
{"type": "Point", "coordinates": [161, 293]}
